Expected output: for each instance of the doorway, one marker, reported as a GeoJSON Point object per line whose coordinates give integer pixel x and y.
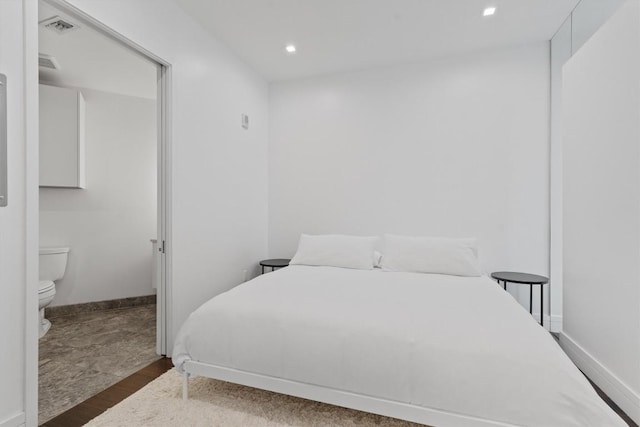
{"type": "Point", "coordinates": [132, 112]}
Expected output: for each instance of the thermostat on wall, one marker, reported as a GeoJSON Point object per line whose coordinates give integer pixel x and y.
{"type": "Point", "coordinates": [245, 121]}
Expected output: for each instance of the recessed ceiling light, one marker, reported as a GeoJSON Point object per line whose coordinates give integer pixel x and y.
{"type": "Point", "coordinates": [489, 11]}
{"type": "Point", "coordinates": [290, 48]}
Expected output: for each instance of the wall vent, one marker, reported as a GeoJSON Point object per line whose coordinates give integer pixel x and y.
{"type": "Point", "coordinates": [59, 25]}
{"type": "Point", "coordinates": [48, 61]}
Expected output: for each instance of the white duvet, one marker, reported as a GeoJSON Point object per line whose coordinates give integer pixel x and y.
{"type": "Point", "coordinates": [457, 344]}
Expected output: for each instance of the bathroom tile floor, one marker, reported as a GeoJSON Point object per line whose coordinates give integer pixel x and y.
{"type": "Point", "coordinates": [85, 353]}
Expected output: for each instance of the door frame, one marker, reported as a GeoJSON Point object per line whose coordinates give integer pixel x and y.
{"type": "Point", "coordinates": [164, 295]}
{"type": "Point", "coordinates": [164, 180]}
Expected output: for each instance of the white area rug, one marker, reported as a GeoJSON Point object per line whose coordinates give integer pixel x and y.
{"type": "Point", "coordinates": [217, 403]}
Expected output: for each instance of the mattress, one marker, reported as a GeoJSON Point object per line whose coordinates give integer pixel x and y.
{"type": "Point", "coordinates": [456, 344]}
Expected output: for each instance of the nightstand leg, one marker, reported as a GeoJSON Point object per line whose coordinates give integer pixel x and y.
{"type": "Point", "coordinates": [541, 305]}
{"type": "Point", "coordinates": [530, 299]}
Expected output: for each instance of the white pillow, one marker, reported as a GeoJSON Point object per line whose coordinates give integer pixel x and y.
{"type": "Point", "coordinates": [456, 257]}
{"type": "Point", "coordinates": [336, 250]}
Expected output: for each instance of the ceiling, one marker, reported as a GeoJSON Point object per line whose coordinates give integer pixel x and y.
{"type": "Point", "coordinates": [339, 35]}
{"type": "Point", "coordinates": [89, 59]}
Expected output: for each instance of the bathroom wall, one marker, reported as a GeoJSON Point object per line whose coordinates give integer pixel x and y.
{"type": "Point", "coordinates": [108, 224]}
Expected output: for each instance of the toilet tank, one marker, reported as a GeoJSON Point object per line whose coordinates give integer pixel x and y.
{"type": "Point", "coordinates": [53, 262]}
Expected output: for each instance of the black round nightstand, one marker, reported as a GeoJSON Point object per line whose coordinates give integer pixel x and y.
{"type": "Point", "coordinates": [274, 263]}
{"type": "Point", "coordinates": [524, 279]}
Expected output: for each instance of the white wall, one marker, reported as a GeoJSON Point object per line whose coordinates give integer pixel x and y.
{"type": "Point", "coordinates": [588, 17]}
{"type": "Point", "coordinates": [584, 21]}
{"type": "Point", "coordinates": [108, 225]}
{"type": "Point", "coordinates": [601, 96]}
{"type": "Point", "coordinates": [454, 147]}
{"type": "Point", "coordinates": [18, 305]}
{"type": "Point", "coordinates": [219, 170]}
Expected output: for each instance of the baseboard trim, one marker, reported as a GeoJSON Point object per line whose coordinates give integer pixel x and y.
{"type": "Point", "coordinates": [627, 399]}
{"type": "Point", "coordinates": [14, 421]}
{"type": "Point", "coordinates": [66, 310]}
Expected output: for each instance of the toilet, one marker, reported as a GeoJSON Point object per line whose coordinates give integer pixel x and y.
{"type": "Point", "coordinates": [53, 262]}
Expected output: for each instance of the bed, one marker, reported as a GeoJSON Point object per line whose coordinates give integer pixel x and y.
{"type": "Point", "coordinates": [435, 349]}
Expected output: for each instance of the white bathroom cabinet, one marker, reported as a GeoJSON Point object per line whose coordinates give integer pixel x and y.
{"type": "Point", "coordinates": [62, 131]}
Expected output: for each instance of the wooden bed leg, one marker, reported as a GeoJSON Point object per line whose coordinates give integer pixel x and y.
{"type": "Point", "coordinates": [185, 386]}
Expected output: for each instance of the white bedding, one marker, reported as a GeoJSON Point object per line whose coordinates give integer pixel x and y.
{"type": "Point", "coordinates": [457, 344]}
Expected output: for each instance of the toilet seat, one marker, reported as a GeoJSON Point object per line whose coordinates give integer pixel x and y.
{"type": "Point", "coordinates": [45, 286]}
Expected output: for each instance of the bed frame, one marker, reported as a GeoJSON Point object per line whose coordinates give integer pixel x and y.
{"type": "Point", "coordinates": [389, 408]}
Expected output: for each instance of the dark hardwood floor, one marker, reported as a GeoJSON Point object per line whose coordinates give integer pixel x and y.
{"type": "Point", "coordinates": [81, 414]}
{"type": "Point", "coordinates": [96, 405]}
{"type": "Point", "coordinates": [613, 406]}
